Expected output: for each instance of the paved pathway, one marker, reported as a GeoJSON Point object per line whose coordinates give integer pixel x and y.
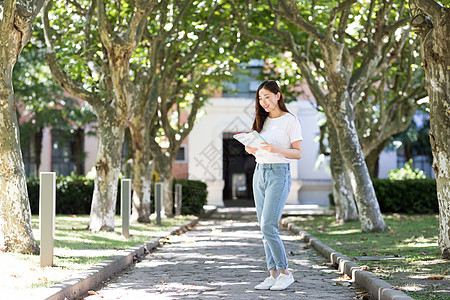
{"type": "Point", "coordinates": [224, 259]}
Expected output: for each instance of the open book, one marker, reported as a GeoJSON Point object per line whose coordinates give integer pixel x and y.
{"type": "Point", "coordinates": [251, 139]}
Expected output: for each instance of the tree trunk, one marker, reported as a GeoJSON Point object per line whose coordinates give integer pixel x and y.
{"type": "Point", "coordinates": [436, 63]}
{"type": "Point", "coordinates": [142, 170]}
{"type": "Point", "coordinates": [372, 159]}
{"type": "Point", "coordinates": [111, 130]}
{"type": "Point", "coordinates": [342, 190]}
{"type": "Point", "coordinates": [164, 169]}
{"type": "Point", "coordinates": [16, 18]}
{"type": "Point", "coordinates": [15, 215]}
{"type": "Point", "coordinates": [355, 165]}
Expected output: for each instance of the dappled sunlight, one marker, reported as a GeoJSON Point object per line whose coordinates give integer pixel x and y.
{"type": "Point", "coordinates": [445, 262]}
{"type": "Point", "coordinates": [348, 231]}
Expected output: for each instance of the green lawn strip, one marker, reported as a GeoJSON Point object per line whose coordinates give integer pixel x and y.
{"type": "Point", "coordinates": [76, 248]}
{"type": "Point", "coordinates": [411, 245]}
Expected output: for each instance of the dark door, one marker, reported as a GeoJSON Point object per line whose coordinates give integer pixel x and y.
{"type": "Point", "coordinates": [238, 168]}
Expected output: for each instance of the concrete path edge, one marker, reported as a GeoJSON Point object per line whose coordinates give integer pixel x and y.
{"type": "Point", "coordinates": [379, 289]}
{"type": "Point", "coordinates": [81, 283]}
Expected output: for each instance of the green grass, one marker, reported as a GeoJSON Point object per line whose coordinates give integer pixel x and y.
{"type": "Point", "coordinates": [71, 236]}
{"type": "Point", "coordinates": [412, 240]}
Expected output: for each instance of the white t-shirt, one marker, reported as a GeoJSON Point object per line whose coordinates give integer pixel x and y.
{"type": "Point", "coordinates": [282, 132]}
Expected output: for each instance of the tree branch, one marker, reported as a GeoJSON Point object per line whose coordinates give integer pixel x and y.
{"type": "Point", "coordinates": [104, 25]}
{"type": "Point", "coordinates": [290, 12]}
{"type": "Point", "coordinates": [59, 76]}
{"type": "Point", "coordinates": [429, 7]}
{"type": "Point", "coordinates": [342, 7]}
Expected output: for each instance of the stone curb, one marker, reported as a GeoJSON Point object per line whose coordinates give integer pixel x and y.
{"type": "Point", "coordinates": [80, 284]}
{"type": "Point", "coordinates": [379, 289]}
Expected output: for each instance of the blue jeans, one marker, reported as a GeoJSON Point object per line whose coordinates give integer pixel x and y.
{"type": "Point", "coordinates": [271, 185]}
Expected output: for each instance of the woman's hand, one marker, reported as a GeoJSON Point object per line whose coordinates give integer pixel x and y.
{"type": "Point", "coordinates": [293, 153]}
{"type": "Point", "coordinates": [270, 148]}
{"type": "Point", "coordinates": [250, 150]}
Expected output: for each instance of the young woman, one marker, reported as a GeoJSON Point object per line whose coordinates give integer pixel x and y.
{"type": "Point", "coordinates": [272, 179]}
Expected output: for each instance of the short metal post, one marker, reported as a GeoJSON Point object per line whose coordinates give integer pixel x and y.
{"type": "Point", "coordinates": [178, 198]}
{"type": "Point", "coordinates": [158, 202]}
{"type": "Point", "coordinates": [47, 205]}
{"type": "Point", "coordinates": [125, 206]}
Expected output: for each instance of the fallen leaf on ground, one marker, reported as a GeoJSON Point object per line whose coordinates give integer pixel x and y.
{"type": "Point", "coordinates": [281, 294]}
{"type": "Point", "coordinates": [364, 268]}
{"type": "Point", "coordinates": [345, 277]}
{"type": "Point", "coordinates": [436, 277]}
{"type": "Point", "coordinates": [93, 293]}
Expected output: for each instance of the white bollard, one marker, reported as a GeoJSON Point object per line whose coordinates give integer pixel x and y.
{"type": "Point", "coordinates": [125, 206]}
{"type": "Point", "coordinates": [158, 202]}
{"type": "Point", "coordinates": [47, 206]}
{"type": "Point", "coordinates": [178, 197]}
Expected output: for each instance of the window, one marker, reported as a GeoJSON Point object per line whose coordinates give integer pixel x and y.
{"type": "Point", "coordinates": [29, 158]}
{"type": "Point", "coordinates": [247, 81]}
{"type": "Point", "coordinates": [181, 155]}
{"type": "Point", "coordinates": [61, 154]}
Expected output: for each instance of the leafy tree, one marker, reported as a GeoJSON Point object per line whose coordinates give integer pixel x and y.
{"type": "Point", "coordinates": [338, 49]}
{"type": "Point", "coordinates": [41, 103]}
{"type": "Point", "coordinates": [431, 21]}
{"type": "Point", "coordinates": [187, 49]}
{"type": "Point", "coordinates": [95, 41]}
{"type": "Point", "coordinates": [15, 216]}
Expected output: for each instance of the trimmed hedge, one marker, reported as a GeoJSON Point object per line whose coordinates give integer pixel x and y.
{"type": "Point", "coordinates": [408, 196]}
{"type": "Point", "coordinates": [74, 195]}
{"type": "Point", "coordinates": [194, 196]}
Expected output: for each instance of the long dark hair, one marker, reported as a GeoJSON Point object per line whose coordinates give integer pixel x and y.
{"type": "Point", "coordinates": [260, 113]}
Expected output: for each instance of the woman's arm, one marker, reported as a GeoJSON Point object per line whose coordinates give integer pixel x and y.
{"type": "Point", "coordinates": [294, 153]}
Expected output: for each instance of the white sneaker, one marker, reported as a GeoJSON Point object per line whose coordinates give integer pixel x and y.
{"type": "Point", "coordinates": [266, 284]}
{"type": "Point", "coordinates": [283, 281]}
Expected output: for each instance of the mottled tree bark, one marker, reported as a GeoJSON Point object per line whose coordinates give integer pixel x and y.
{"type": "Point", "coordinates": [342, 190]}
{"type": "Point", "coordinates": [16, 19]}
{"type": "Point", "coordinates": [372, 158]}
{"type": "Point", "coordinates": [163, 166]}
{"type": "Point", "coordinates": [142, 169]}
{"type": "Point", "coordinates": [111, 129]}
{"type": "Point", "coordinates": [432, 22]}
{"type": "Point", "coordinates": [355, 165]}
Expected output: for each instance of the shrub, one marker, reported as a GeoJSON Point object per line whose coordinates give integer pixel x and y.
{"type": "Point", "coordinates": [74, 195]}
{"type": "Point", "coordinates": [194, 196]}
{"type": "Point", "coordinates": [405, 196]}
